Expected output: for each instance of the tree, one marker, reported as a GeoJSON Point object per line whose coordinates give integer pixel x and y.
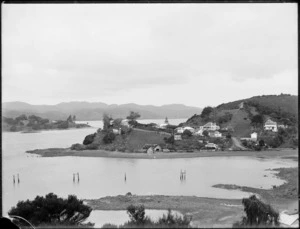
{"type": "Point", "coordinates": [257, 120]}
{"type": "Point", "coordinates": [261, 142]}
{"type": "Point", "coordinates": [109, 138]}
{"type": "Point", "coordinates": [21, 118]}
{"type": "Point", "coordinates": [70, 119]}
{"type": "Point", "coordinates": [133, 116]}
{"type": "Point", "coordinates": [106, 122]}
{"type": "Point", "coordinates": [228, 135]}
{"type": "Point", "coordinates": [117, 122]}
{"type": "Point", "coordinates": [52, 210]}
{"type": "Point", "coordinates": [169, 140]}
{"type": "Point", "coordinates": [74, 118]}
{"type": "Point", "coordinates": [137, 214]}
{"type": "Point", "coordinates": [258, 214]}
{"type": "Point", "coordinates": [206, 112]}
{"type": "Point", "coordinates": [89, 139]}
{"type": "Point", "coordinates": [187, 133]}
{"type": "Point", "coordinates": [205, 133]}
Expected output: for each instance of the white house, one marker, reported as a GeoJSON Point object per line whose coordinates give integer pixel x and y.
{"type": "Point", "coordinates": [270, 125]}
{"type": "Point", "coordinates": [254, 136]}
{"type": "Point", "coordinates": [199, 132]}
{"type": "Point", "coordinates": [282, 126]}
{"type": "Point", "coordinates": [117, 131]}
{"type": "Point", "coordinates": [215, 134]}
{"type": "Point", "coordinates": [163, 126]}
{"type": "Point", "coordinates": [177, 137]}
{"type": "Point", "coordinates": [189, 128]}
{"type": "Point", "coordinates": [211, 126]}
{"type": "Point", "coordinates": [211, 145]}
{"type": "Point", "coordinates": [124, 122]}
{"type": "Point", "coordinates": [179, 130]}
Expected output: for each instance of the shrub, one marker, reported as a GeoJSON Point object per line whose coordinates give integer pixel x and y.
{"type": "Point", "coordinates": [63, 125]}
{"type": "Point", "coordinates": [13, 128]}
{"type": "Point", "coordinates": [137, 214]}
{"type": "Point", "coordinates": [169, 140]}
{"type": "Point", "coordinates": [187, 133]}
{"type": "Point", "coordinates": [109, 138]}
{"type": "Point", "coordinates": [109, 225]}
{"type": "Point", "coordinates": [89, 139]}
{"type": "Point", "coordinates": [257, 214]}
{"type": "Point", "coordinates": [92, 146]}
{"type": "Point", "coordinates": [77, 146]}
{"type": "Point", "coordinates": [52, 210]}
{"type": "Point", "coordinates": [171, 220]}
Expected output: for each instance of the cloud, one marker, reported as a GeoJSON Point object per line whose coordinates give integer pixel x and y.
{"type": "Point", "coordinates": [100, 51]}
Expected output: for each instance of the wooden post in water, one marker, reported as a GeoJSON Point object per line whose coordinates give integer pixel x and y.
{"type": "Point", "coordinates": [18, 178]}
{"type": "Point", "coordinates": [125, 177]}
{"type": "Point", "coordinates": [77, 177]}
{"type": "Point", "coordinates": [73, 177]}
{"type": "Point", "coordinates": [14, 179]}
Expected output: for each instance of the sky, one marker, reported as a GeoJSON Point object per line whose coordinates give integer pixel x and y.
{"type": "Point", "coordinates": [192, 54]}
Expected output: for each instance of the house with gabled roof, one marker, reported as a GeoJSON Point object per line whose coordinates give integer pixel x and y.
{"type": "Point", "coordinates": [211, 126]}
{"type": "Point", "coordinates": [271, 125]}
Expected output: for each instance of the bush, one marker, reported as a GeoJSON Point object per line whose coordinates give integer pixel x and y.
{"type": "Point", "coordinates": [77, 146]}
{"type": "Point", "coordinates": [109, 138]}
{"type": "Point", "coordinates": [13, 128]}
{"type": "Point", "coordinates": [171, 220]}
{"type": "Point", "coordinates": [137, 214]}
{"type": "Point", "coordinates": [138, 219]}
{"type": "Point", "coordinates": [187, 133]}
{"type": "Point", "coordinates": [63, 125]}
{"type": "Point", "coordinates": [89, 139]}
{"type": "Point", "coordinates": [92, 146]}
{"type": "Point", "coordinates": [258, 214]}
{"type": "Point", "coordinates": [109, 225]}
{"type": "Point", "coordinates": [169, 140]}
{"type": "Point", "coordinates": [52, 210]}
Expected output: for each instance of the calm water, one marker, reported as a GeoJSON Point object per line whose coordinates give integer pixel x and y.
{"type": "Point", "coordinates": [105, 176]}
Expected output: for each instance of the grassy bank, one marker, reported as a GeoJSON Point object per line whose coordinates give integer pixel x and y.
{"type": "Point", "coordinates": [278, 195]}
{"type": "Point", "coordinates": [206, 212]}
{"type": "Point", "coordinates": [58, 152]}
{"type": "Point", "coordinates": [210, 212]}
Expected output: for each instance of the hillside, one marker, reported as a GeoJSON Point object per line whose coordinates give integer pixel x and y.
{"type": "Point", "coordinates": [288, 103]}
{"type": "Point", "coordinates": [94, 111]}
{"type": "Point", "coordinates": [280, 108]}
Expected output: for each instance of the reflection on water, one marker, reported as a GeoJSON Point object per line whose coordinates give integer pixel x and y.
{"type": "Point", "coordinates": [99, 218]}
{"type": "Point", "coordinates": [101, 177]}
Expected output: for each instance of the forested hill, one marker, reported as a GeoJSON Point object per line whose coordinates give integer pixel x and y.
{"type": "Point", "coordinates": [283, 102]}
{"type": "Point", "coordinates": [280, 108]}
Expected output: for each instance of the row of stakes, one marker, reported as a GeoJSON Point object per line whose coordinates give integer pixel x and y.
{"type": "Point", "coordinates": [14, 179]}
{"type": "Point", "coordinates": [182, 177]}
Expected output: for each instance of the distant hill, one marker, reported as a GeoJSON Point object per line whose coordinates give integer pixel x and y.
{"type": "Point", "coordinates": [94, 111]}
{"type": "Point", "coordinates": [280, 108]}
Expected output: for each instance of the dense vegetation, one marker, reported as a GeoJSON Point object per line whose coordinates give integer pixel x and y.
{"type": "Point", "coordinates": [138, 219]}
{"type": "Point", "coordinates": [52, 210]}
{"type": "Point", "coordinates": [251, 118]}
{"type": "Point", "coordinates": [258, 214]}
{"type": "Point", "coordinates": [33, 122]}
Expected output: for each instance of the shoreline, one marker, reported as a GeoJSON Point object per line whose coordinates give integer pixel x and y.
{"type": "Point", "coordinates": [210, 212]}
{"type": "Point", "coordinates": [61, 152]}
